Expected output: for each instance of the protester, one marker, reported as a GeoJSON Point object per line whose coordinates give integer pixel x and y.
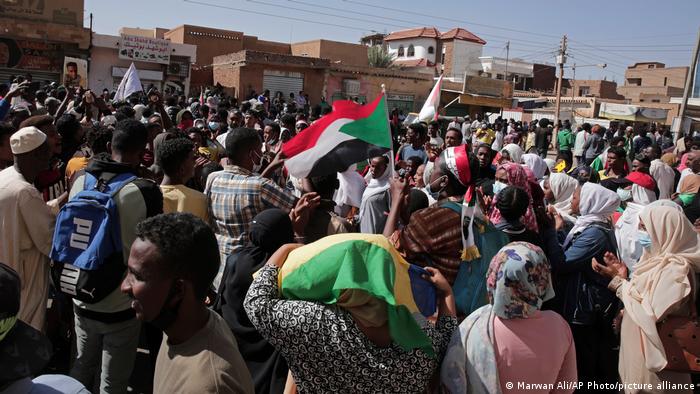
{"type": "Point", "coordinates": [348, 197]}
{"type": "Point", "coordinates": [486, 172]}
{"type": "Point", "coordinates": [27, 223]}
{"type": "Point", "coordinates": [376, 198]}
{"type": "Point", "coordinates": [559, 191]}
{"type": "Point", "coordinates": [352, 343]}
{"type": "Point", "coordinates": [173, 261]}
{"type": "Point", "coordinates": [594, 145]}
{"type": "Point", "coordinates": [96, 142]}
{"type": "Point", "coordinates": [512, 203]}
{"type": "Point", "coordinates": [50, 182]}
{"type": "Point", "coordinates": [6, 157]}
{"type": "Point", "coordinates": [415, 137]}
{"type": "Point", "coordinates": [435, 139]}
{"type": "Point", "coordinates": [565, 140]}
{"type": "Point", "coordinates": [536, 164]}
{"type": "Point", "coordinates": [663, 174]}
{"type": "Point", "coordinates": [511, 341]}
{"type": "Point", "coordinates": [670, 261]}
{"type": "Point", "coordinates": [512, 153]}
{"type": "Point", "coordinates": [323, 221]}
{"type": "Point", "coordinates": [615, 165]}
{"type": "Point", "coordinates": [108, 329]}
{"type": "Point", "coordinates": [514, 175]}
{"type": "Point", "coordinates": [543, 137]}
{"type": "Point", "coordinates": [453, 137]}
{"type": "Point", "coordinates": [177, 159]}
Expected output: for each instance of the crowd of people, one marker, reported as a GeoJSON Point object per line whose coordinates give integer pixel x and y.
{"type": "Point", "coordinates": [171, 225]}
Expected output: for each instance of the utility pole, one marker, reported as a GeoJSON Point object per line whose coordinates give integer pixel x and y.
{"type": "Point", "coordinates": [572, 91]}
{"type": "Point", "coordinates": [686, 91]}
{"type": "Point", "coordinates": [505, 76]}
{"type": "Point", "coordinates": [561, 60]}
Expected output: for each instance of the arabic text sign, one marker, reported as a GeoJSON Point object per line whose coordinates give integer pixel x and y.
{"type": "Point", "coordinates": [144, 49]}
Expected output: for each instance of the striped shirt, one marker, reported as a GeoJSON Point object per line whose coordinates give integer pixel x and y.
{"type": "Point", "coordinates": [234, 197]}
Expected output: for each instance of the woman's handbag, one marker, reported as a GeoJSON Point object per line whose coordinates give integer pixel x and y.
{"type": "Point", "coordinates": [680, 336]}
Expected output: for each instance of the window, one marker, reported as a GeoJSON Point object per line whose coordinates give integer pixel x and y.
{"type": "Point", "coordinates": [411, 51]}
{"type": "Point", "coordinates": [442, 60]}
{"type": "Point", "coordinates": [651, 66]}
{"type": "Point", "coordinates": [584, 90]}
{"type": "Point", "coordinates": [499, 76]}
{"type": "Point", "coordinates": [655, 101]}
{"type": "Point", "coordinates": [665, 80]}
{"type": "Point", "coordinates": [641, 100]}
{"type": "Point", "coordinates": [400, 51]}
{"type": "Point", "coordinates": [634, 81]}
{"type": "Point", "coordinates": [431, 50]}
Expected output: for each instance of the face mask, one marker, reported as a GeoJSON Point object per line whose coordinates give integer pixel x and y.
{"type": "Point", "coordinates": [434, 194]}
{"type": "Point", "coordinates": [214, 125]}
{"type": "Point", "coordinates": [624, 194]}
{"type": "Point", "coordinates": [498, 186]}
{"type": "Point", "coordinates": [167, 315]}
{"type": "Point", "coordinates": [644, 239]}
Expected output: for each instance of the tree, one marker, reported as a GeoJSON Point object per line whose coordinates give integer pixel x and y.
{"type": "Point", "coordinates": [379, 57]}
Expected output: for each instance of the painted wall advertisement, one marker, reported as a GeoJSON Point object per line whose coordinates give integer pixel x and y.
{"type": "Point", "coordinates": [144, 49]}
{"type": "Point", "coordinates": [74, 72]}
{"type": "Point", "coordinates": [30, 55]}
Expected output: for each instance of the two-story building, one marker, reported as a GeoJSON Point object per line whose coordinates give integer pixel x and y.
{"type": "Point", "coordinates": [653, 82]}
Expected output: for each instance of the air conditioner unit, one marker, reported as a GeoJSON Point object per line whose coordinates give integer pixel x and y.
{"type": "Point", "coordinates": [351, 87]}
{"type": "Point", "coordinates": [178, 67]}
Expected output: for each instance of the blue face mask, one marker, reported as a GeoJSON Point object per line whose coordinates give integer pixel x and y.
{"type": "Point", "coordinates": [214, 125]}
{"type": "Point", "coordinates": [434, 194]}
{"type": "Point", "coordinates": [644, 239]}
{"type": "Point", "coordinates": [498, 186]}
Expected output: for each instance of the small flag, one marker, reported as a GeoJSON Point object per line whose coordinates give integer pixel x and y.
{"type": "Point", "coordinates": [201, 96]}
{"type": "Point", "coordinates": [348, 135]}
{"type": "Point", "coordinates": [130, 83]}
{"type": "Point", "coordinates": [429, 112]}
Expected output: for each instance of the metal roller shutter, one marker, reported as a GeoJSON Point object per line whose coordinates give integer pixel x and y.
{"type": "Point", "coordinates": [279, 82]}
{"type": "Point", "coordinates": [37, 76]}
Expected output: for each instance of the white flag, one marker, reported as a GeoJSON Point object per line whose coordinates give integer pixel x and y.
{"type": "Point", "coordinates": [429, 111]}
{"type": "Point", "coordinates": [130, 83]}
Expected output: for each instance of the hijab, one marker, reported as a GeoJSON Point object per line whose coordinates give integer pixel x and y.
{"type": "Point", "coordinates": [684, 162]}
{"type": "Point", "coordinates": [660, 279]}
{"type": "Point", "coordinates": [563, 187]}
{"type": "Point", "coordinates": [669, 159]}
{"type": "Point", "coordinates": [517, 176]}
{"type": "Point", "coordinates": [536, 164]}
{"type": "Point", "coordinates": [350, 189]}
{"type": "Point", "coordinates": [596, 204]}
{"type": "Point", "coordinates": [269, 230]}
{"type": "Point", "coordinates": [515, 152]}
{"type": "Point", "coordinates": [690, 184]}
{"type": "Point", "coordinates": [519, 281]}
{"type": "Point", "coordinates": [664, 176]}
{"type": "Point", "coordinates": [551, 164]}
{"type": "Point", "coordinates": [374, 186]}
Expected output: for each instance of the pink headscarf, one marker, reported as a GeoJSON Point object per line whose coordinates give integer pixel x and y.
{"type": "Point", "coordinates": [684, 162]}
{"type": "Point", "coordinates": [517, 176]}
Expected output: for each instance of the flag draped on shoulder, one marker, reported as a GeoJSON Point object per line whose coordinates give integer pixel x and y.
{"type": "Point", "coordinates": [348, 135]}
{"type": "Point", "coordinates": [429, 112]}
{"type": "Point", "coordinates": [130, 84]}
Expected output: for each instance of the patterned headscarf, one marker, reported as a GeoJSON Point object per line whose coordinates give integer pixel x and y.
{"type": "Point", "coordinates": [519, 280]}
{"type": "Point", "coordinates": [517, 176]}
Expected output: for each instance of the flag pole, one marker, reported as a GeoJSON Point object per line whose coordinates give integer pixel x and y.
{"type": "Point", "coordinates": [391, 137]}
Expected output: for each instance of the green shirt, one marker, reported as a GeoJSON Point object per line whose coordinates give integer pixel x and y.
{"type": "Point", "coordinates": [565, 140]}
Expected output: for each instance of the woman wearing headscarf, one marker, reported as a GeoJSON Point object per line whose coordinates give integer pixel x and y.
{"type": "Point", "coordinates": [511, 340]}
{"type": "Point", "coordinates": [662, 284]}
{"type": "Point", "coordinates": [559, 189]}
{"type": "Point", "coordinates": [688, 188]}
{"type": "Point", "coordinates": [347, 334]}
{"type": "Point", "coordinates": [513, 153]}
{"type": "Point", "coordinates": [628, 246]}
{"type": "Point", "coordinates": [269, 230]}
{"type": "Point", "coordinates": [536, 164]}
{"type": "Point", "coordinates": [184, 119]}
{"type": "Point", "coordinates": [375, 199]}
{"type": "Point", "coordinates": [350, 190]}
{"type": "Point", "coordinates": [665, 177]}
{"type": "Point", "coordinates": [514, 175]}
{"type": "Point", "coordinates": [584, 299]}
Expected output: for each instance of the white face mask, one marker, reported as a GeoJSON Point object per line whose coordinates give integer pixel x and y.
{"type": "Point", "coordinates": [498, 186]}
{"type": "Point", "coordinates": [624, 194]}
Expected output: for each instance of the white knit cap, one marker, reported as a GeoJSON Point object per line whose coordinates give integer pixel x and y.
{"type": "Point", "coordinates": [26, 140]}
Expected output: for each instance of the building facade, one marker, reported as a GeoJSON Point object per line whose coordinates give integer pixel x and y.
{"type": "Point", "coordinates": [591, 88]}
{"type": "Point", "coordinates": [37, 35]}
{"type": "Point", "coordinates": [653, 82]}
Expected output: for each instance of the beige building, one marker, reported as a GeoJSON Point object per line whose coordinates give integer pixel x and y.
{"type": "Point", "coordinates": [653, 82]}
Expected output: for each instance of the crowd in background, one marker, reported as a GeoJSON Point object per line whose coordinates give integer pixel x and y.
{"type": "Point", "coordinates": [554, 251]}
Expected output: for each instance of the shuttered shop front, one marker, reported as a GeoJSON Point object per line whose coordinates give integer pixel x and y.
{"type": "Point", "coordinates": [281, 81]}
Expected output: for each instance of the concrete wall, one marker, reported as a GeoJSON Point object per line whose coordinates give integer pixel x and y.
{"type": "Point", "coordinates": [336, 51]}
{"type": "Point", "coordinates": [420, 45]}
{"type": "Point", "coordinates": [26, 29]}
{"type": "Point", "coordinates": [64, 12]}
{"type": "Point", "coordinates": [597, 88]}
{"type": "Point", "coordinates": [465, 57]}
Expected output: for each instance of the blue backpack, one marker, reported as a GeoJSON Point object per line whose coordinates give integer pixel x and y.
{"type": "Point", "coordinates": [87, 262]}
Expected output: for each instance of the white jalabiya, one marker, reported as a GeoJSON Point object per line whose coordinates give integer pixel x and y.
{"type": "Point", "coordinates": [596, 205]}
{"type": "Point", "coordinates": [642, 195]}
{"type": "Point", "coordinates": [664, 176]}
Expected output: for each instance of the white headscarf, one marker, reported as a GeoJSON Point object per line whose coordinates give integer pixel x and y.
{"type": "Point", "coordinates": [536, 164]}
{"type": "Point", "coordinates": [660, 280]}
{"type": "Point", "coordinates": [515, 152]}
{"type": "Point", "coordinates": [563, 187]}
{"type": "Point", "coordinates": [642, 195]}
{"type": "Point", "coordinates": [138, 111]}
{"type": "Point", "coordinates": [596, 204]}
{"type": "Point", "coordinates": [551, 163]}
{"type": "Point", "coordinates": [375, 186]}
{"type": "Point", "coordinates": [664, 176]}
{"type": "Point", "coordinates": [351, 187]}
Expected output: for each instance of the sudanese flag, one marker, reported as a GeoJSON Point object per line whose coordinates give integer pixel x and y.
{"type": "Point", "coordinates": [348, 135]}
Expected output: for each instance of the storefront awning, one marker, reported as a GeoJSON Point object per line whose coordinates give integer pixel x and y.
{"type": "Point", "coordinates": [632, 113]}
{"type": "Point", "coordinates": [485, 101]}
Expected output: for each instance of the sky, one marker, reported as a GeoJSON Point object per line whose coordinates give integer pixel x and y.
{"type": "Point", "coordinates": [617, 33]}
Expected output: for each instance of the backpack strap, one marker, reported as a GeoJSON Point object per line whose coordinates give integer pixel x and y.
{"type": "Point", "coordinates": [115, 182]}
{"type": "Point", "coordinates": [451, 205]}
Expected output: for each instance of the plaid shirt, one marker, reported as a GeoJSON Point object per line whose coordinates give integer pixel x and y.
{"type": "Point", "coordinates": [234, 197]}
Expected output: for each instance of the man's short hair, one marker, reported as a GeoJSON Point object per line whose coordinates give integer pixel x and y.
{"type": "Point", "coordinates": [616, 140]}
{"type": "Point", "coordinates": [171, 153]}
{"type": "Point", "coordinates": [324, 185]}
{"type": "Point", "coordinates": [97, 139]}
{"type": "Point", "coordinates": [37, 121]}
{"type": "Point", "coordinates": [72, 64]}
{"type": "Point", "coordinates": [418, 128]}
{"type": "Point", "coordinates": [6, 129]}
{"type": "Point", "coordinates": [275, 128]}
{"type": "Point", "coordinates": [642, 158]}
{"type": "Point", "coordinates": [187, 246]}
{"type": "Point", "coordinates": [288, 119]}
{"type": "Point", "coordinates": [455, 129]}
{"type": "Point", "coordinates": [512, 203]}
{"type": "Point", "coordinates": [129, 136]}
{"type": "Point", "coordinates": [434, 124]}
{"type": "Point", "coordinates": [240, 140]}
{"type": "Point", "coordinates": [67, 126]}
{"type": "Point", "coordinates": [617, 151]}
